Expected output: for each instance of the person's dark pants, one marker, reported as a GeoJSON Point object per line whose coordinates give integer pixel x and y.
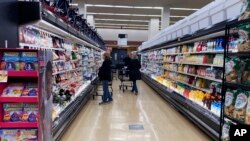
{"type": "Point", "coordinates": [134, 87]}
{"type": "Point", "coordinates": [106, 94]}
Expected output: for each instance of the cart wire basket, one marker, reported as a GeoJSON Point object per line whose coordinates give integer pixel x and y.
{"type": "Point", "coordinates": [123, 76]}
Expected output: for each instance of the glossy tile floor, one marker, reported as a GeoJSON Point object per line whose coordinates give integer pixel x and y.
{"type": "Point", "coordinates": [111, 122]}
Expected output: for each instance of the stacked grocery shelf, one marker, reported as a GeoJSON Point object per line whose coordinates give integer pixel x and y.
{"type": "Point", "coordinates": [236, 88]}
{"type": "Point", "coordinates": [191, 79]}
{"type": "Point", "coordinates": [19, 95]}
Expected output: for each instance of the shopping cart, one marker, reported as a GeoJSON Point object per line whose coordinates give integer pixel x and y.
{"type": "Point", "coordinates": [123, 76]}
{"type": "Point", "coordinates": [114, 72]}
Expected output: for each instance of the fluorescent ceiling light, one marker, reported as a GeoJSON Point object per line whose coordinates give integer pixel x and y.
{"type": "Point", "coordinates": [187, 9]}
{"type": "Point", "coordinates": [73, 4]}
{"type": "Point", "coordinates": [123, 6]}
{"type": "Point", "coordinates": [119, 14]}
{"type": "Point", "coordinates": [177, 16]}
{"type": "Point", "coordinates": [118, 27]}
{"type": "Point", "coordinates": [138, 7]}
{"type": "Point", "coordinates": [122, 20]}
{"type": "Point", "coordinates": [121, 24]}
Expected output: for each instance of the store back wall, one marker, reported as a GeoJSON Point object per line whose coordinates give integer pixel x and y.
{"type": "Point", "coordinates": [133, 35]}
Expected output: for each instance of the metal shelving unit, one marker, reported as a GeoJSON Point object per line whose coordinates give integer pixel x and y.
{"type": "Point", "coordinates": [229, 85]}
{"type": "Point", "coordinates": [202, 117]}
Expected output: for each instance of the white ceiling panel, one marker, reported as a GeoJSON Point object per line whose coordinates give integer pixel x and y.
{"type": "Point", "coordinates": [128, 9]}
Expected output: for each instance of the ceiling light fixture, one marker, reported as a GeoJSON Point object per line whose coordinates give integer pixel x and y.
{"type": "Point", "coordinates": [122, 27]}
{"type": "Point", "coordinates": [186, 9]}
{"type": "Point", "coordinates": [177, 16]}
{"type": "Point", "coordinates": [111, 24]}
{"type": "Point", "coordinates": [119, 14]}
{"type": "Point", "coordinates": [139, 7]}
{"type": "Point", "coordinates": [122, 20]}
{"type": "Point", "coordinates": [123, 6]}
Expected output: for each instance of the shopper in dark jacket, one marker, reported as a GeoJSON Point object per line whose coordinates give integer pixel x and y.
{"type": "Point", "coordinates": [134, 72]}
{"type": "Point", "coordinates": [105, 76]}
{"type": "Point", "coordinates": [127, 60]}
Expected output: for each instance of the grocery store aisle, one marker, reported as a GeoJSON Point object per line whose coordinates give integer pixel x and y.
{"type": "Point", "coordinates": [111, 122]}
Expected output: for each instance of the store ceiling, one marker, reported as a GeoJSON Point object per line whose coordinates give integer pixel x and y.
{"type": "Point", "coordinates": [107, 16]}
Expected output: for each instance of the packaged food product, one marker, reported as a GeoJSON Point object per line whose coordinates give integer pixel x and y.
{"type": "Point", "coordinates": [245, 10]}
{"type": "Point", "coordinates": [12, 112]}
{"type": "Point", "coordinates": [232, 69]}
{"type": "Point", "coordinates": [13, 90]}
{"type": "Point", "coordinates": [30, 112]}
{"type": "Point", "coordinates": [30, 90]}
{"type": "Point", "coordinates": [246, 73]}
{"type": "Point", "coordinates": [225, 131]}
{"type": "Point", "coordinates": [55, 56]}
{"type": "Point", "coordinates": [29, 61]}
{"type": "Point", "coordinates": [244, 34]}
{"type": "Point", "coordinates": [28, 135]}
{"type": "Point", "coordinates": [10, 61]}
{"type": "Point", "coordinates": [247, 118]}
{"type": "Point", "coordinates": [9, 135]}
{"type": "Point", "coordinates": [229, 102]}
{"type": "Point", "coordinates": [240, 105]}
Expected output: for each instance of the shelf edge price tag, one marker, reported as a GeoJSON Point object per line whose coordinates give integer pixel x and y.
{"type": "Point", "coordinates": [3, 76]}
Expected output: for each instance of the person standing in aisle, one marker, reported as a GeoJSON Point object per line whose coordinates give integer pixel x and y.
{"type": "Point", "coordinates": [127, 60]}
{"type": "Point", "coordinates": [104, 75]}
{"type": "Point", "coordinates": [134, 72]}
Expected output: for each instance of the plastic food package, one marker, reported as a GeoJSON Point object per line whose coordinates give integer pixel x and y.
{"type": "Point", "coordinates": [30, 113]}
{"type": "Point", "coordinates": [55, 56]}
{"type": "Point", "coordinates": [240, 105]}
{"type": "Point", "coordinates": [232, 69]}
{"type": "Point", "coordinates": [246, 73]}
{"type": "Point", "coordinates": [12, 112]}
{"type": "Point", "coordinates": [243, 41]}
{"type": "Point", "coordinates": [247, 118]}
{"type": "Point", "coordinates": [9, 135]}
{"type": "Point", "coordinates": [18, 135]}
{"type": "Point", "coordinates": [230, 98]}
{"type": "Point", "coordinates": [10, 61]}
{"type": "Point", "coordinates": [13, 90]}
{"type": "Point", "coordinates": [31, 89]}
{"type": "Point", "coordinates": [225, 131]}
{"type": "Point", "coordinates": [29, 61]}
{"type": "Point", "coordinates": [245, 10]}
{"type": "Point", "coordinates": [28, 135]}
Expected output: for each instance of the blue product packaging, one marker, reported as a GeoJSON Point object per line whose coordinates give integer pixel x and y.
{"type": "Point", "coordinates": [29, 61]}
{"type": "Point", "coordinates": [10, 61]}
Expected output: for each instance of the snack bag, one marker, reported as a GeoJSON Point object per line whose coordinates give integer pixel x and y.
{"type": "Point", "coordinates": [225, 131]}
{"type": "Point", "coordinates": [13, 90]}
{"type": "Point", "coordinates": [30, 113]}
{"type": "Point", "coordinates": [245, 10]}
{"type": "Point", "coordinates": [29, 61]}
{"type": "Point", "coordinates": [28, 135]}
{"type": "Point", "coordinates": [10, 61]}
{"type": "Point", "coordinates": [240, 105]}
{"type": "Point", "coordinates": [243, 40]}
{"type": "Point", "coordinates": [232, 69]}
{"type": "Point", "coordinates": [246, 73]}
{"type": "Point", "coordinates": [9, 135]}
{"type": "Point", "coordinates": [247, 118]}
{"type": "Point", "coordinates": [30, 90]}
{"type": "Point", "coordinates": [12, 112]}
{"type": "Point", "coordinates": [229, 102]}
